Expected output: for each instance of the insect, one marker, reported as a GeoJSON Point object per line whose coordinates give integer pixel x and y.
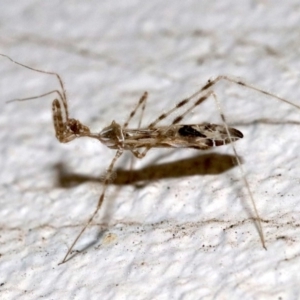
{"type": "Point", "coordinates": [140, 140]}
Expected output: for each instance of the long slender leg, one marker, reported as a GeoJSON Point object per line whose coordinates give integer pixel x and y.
{"type": "Point", "coordinates": [165, 115]}
{"type": "Point", "coordinates": [212, 82]}
{"type": "Point", "coordinates": [142, 102]}
{"type": "Point", "coordinates": [243, 174]}
{"type": "Point", "coordinates": [208, 86]}
{"type": "Point", "coordinates": [99, 204]}
{"type": "Point", "coordinates": [196, 103]}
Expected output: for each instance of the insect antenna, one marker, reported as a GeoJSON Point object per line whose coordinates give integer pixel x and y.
{"type": "Point", "coordinates": [61, 94]}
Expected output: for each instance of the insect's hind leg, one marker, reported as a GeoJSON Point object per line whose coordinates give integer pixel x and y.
{"type": "Point", "coordinates": [201, 98]}
{"type": "Point", "coordinates": [229, 79]}
{"type": "Point", "coordinates": [243, 174]}
{"type": "Point", "coordinates": [212, 82]}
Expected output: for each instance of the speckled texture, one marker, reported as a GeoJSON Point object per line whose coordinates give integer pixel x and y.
{"type": "Point", "coordinates": [183, 229]}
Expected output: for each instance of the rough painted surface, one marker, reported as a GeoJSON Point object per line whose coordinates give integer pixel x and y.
{"type": "Point", "coordinates": [182, 230]}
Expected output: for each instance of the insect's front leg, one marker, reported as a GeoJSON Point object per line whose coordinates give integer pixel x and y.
{"type": "Point", "coordinates": [66, 129]}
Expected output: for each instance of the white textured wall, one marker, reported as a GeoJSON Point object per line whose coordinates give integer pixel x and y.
{"type": "Point", "coordinates": [183, 229]}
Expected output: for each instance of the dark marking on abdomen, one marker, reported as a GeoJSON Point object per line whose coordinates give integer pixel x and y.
{"type": "Point", "coordinates": [189, 131]}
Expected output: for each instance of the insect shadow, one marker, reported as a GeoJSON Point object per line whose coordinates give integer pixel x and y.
{"type": "Point", "coordinates": [204, 164]}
